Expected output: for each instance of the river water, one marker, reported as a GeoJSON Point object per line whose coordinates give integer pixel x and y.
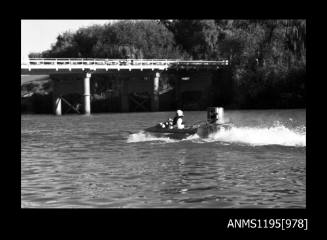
{"type": "Point", "coordinates": [106, 161]}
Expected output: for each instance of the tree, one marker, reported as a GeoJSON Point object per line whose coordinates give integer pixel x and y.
{"type": "Point", "coordinates": [35, 55]}
{"type": "Point", "coordinates": [64, 47]}
{"type": "Point", "coordinates": [124, 39]}
{"type": "Point", "coordinates": [197, 37]}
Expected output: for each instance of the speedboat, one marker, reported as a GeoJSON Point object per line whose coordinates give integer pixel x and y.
{"type": "Point", "coordinates": [203, 130]}
{"type": "Point", "coordinates": [175, 133]}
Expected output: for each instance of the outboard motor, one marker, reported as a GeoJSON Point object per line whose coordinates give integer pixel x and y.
{"type": "Point", "coordinates": [215, 115]}
{"type": "Point", "coordinates": [215, 122]}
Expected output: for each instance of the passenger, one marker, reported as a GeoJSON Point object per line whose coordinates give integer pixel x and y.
{"type": "Point", "coordinates": [170, 123]}
{"type": "Point", "coordinates": [178, 120]}
{"type": "Point", "coordinates": [167, 124]}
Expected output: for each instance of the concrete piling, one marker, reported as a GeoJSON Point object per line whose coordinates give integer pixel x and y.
{"type": "Point", "coordinates": [87, 94]}
{"type": "Point", "coordinates": [155, 93]}
{"type": "Point", "coordinates": [57, 105]}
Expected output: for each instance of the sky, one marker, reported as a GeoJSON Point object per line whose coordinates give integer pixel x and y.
{"type": "Point", "coordinates": [38, 35]}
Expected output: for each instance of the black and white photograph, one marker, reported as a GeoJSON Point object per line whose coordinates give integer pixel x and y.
{"type": "Point", "coordinates": [163, 113]}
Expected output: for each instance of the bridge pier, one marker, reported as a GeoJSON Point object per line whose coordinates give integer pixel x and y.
{"type": "Point", "coordinates": [155, 93]}
{"type": "Point", "coordinates": [56, 98]}
{"type": "Point", "coordinates": [57, 105]}
{"type": "Point", "coordinates": [87, 94]}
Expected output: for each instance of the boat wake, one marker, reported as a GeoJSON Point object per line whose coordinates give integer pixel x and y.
{"type": "Point", "coordinates": [277, 134]}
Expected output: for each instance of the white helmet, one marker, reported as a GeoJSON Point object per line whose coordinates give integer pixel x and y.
{"type": "Point", "coordinates": [180, 113]}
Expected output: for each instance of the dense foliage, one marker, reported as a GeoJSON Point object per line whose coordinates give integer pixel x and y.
{"type": "Point", "coordinates": [268, 57]}
{"type": "Point", "coordinates": [124, 39]}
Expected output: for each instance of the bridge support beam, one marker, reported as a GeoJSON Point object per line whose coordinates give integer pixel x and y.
{"type": "Point", "coordinates": [155, 93]}
{"type": "Point", "coordinates": [124, 96]}
{"type": "Point", "coordinates": [87, 94]}
{"type": "Point", "coordinates": [56, 97]}
{"type": "Point", "coordinates": [57, 105]}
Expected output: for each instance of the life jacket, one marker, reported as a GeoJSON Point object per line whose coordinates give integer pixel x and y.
{"type": "Point", "coordinates": [175, 120]}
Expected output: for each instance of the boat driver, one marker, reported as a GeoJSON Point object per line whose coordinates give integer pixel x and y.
{"type": "Point", "coordinates": [178, 120]}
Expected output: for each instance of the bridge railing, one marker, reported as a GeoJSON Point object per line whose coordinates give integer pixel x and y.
{"type": "Point", "coordinates": [114, 63]}
{"type": "Point", "coordinates": [202, 62]}
{"type": "Point", "coordinates": [37, 61]}
{"type": "Point", "coordinates": [53, 61]}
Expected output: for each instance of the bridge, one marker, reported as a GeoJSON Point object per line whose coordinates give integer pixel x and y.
{"type": "Point", "coordinates": [86, 67]}
{"type": "Point", "coordinates": [52, 65]}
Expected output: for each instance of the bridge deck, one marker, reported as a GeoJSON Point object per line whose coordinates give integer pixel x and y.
{"type": "Point", "coordinates": [79, 64]}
